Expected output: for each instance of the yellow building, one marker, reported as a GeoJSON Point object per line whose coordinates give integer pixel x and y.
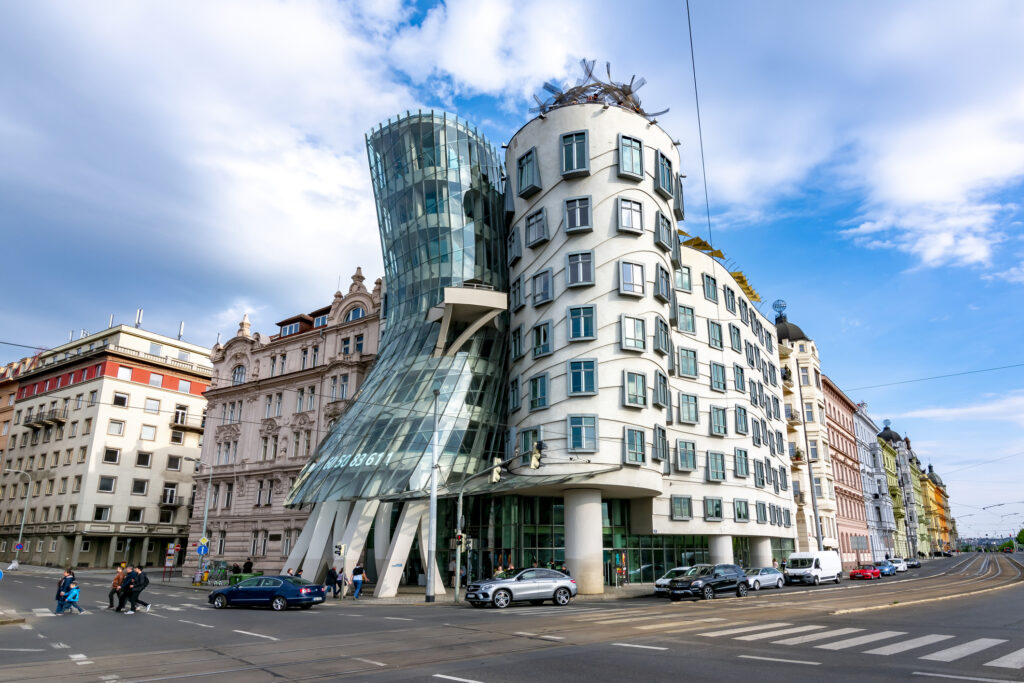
{"type": "Point", "coordinates": [899, 509]}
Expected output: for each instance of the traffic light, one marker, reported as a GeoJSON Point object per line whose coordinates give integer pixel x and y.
{"type": "Point", "coordinates": [460, 542]}
{"type": "Point", "coordinates": [538, 451]}
{"type": "Point", "coordinates": [496, 471]}
{"type": "Point", "coordinates": [339, 549]}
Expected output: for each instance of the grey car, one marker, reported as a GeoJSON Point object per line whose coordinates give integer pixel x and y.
{"type": "Point", "coordinates": [535, 585]}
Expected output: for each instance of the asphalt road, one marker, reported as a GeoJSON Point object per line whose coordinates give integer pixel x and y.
{"type": "Point", "coordinates": [908, 627]}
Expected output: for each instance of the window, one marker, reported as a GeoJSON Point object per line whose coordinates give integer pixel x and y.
{"type": "Point", "coordinates": [135, 515]}
{"type": "Point", "coordinates": [513, 394]}
{"type": "Point", "coordinates": [120, 400]}
{"type": "Point", "coordinates": [148, 433]}
{"type": "Point", "coordinates": [659, 449]}
{"type": "Point", "coordinates": [710, 288]}
{"type": "Point", "coordinates": [682, 508]}
{"type": "Point", "coordinates": [662, 397]}
{"type": "Point", "coordinates": [576, 215]}
{"type": "Point", "coordinates": [687, 362]}
{"type": "Point", "coordinates": [717, 377]}
{"type": "Point", "coordinates": [575, 157]}
{"type": "Point", "coordinates": [631, 278]}
{"type": "Point", "coordinates": [156, 380]}
{"type": "Point", "coordinates": [714, 334]}
{"type": "Point", "coordinates": [662, 338]}
{"type": "Point", "coordinates": [115, 428]}
{"type": "Point", "coordinates": [635, 447]}
{"type": "Point", "coordinates": [744, 312]}
{"type": "Point", "coordinates": [152, 405]}
{"type": "Point", "coordinates": [631, 158]}
{"type": "Point", "coordinates": [515, 249]}
{"type": "Point", "coordinates": [662, 231]}
{"type": "Point", "coordinates": [813, 445]}
{"type": "Point", "coordinates": [177, 436]}
{"type": "Point", "coordinates": [582, 377]}
{"type": "Point", "coordinates": [741, 420]}
{"type": "Point", "coordinates": [528, 438]}
{"type": "Point", "coordinates": [581, 322]}
{"type": "Point", "coordinates": [742, 463]}
{"type": "Point", "coordinates": [582, 433]}
{"type": "Point", "coordinates": [730, 299]}
{"type": "Point", "coordinates": [100, 514]}
{"type": "Point", "coordinates": [759, 474]}
{"type": "Point", "coordinates": [516, 345]}
{"type": "Point", "coordinates": [683, 279]}
{"type": "Point", "coordinates": [303, 359]}
{"type": "Point", "coordinates": [515, 294]}
{"type": "Point", "coordinates": [359, 343]}
{"type": "Point", "coordinates": [634, 334]}
{"type": "Point", "coordinates": [809, 412]}
{"type": "Point", "coordinates": [715, 466]}
{"type": "Point", "coordinates": [662, 284]}
{"type": "Point", "coordinates": [734, 338]}
{"type": "Point", "coordinates": [635, 394]}
{"type": "Point", "coordinates": [579, 269]}
{"type": "Point", "coordinates": [106, 484]}
{"type": "Point", "coordinates": [685, 320]}
{"type": "Point", "coordinates": [686, 456]}
{"type": "Point", "coordinates": [124, 373]}
{"type": "Point", "coordinates": [528, 173]}
{"type": "Point", "coordinates": [541, 339]}
{"type": "Point", "coordinates": [631, 216]}
{"type": "Point", "coordinates": [542, 287]}
{"type": "Point", "coordinates": [804, 377]}
{"type": "Point", "coordinates": [93, 397]}
{"type": "Point", "coordinates": [663, 178]}
{"type": "Point", "coordinates": [688, 409]}
{"type": "Point", "coordinates": [713, 509]}
{"type": "Point", "coordinates": [111, 456]}
{"type": "Point", "coordinates": [355, 314]}
{"type": "Point", "coordinates": [143, 459]}
{"type": "Point", "coordinates": [140, 487]}
{"type": "Point", "coordinates": [238, 374]}
{"type": "Point", "coordinates": [718, 424]}
{"type": "Point", "coordinates": [536, 228]}
{"type": "Point", "coordinates": [539, 392]}
{"type": "Point", "coordinates": [174, 463]}
{"type": "Point", "coordinates": [739, 378]}
{"type": "Point", "coordinates": [756, 435]}
{"type": "Point", "coordinates": [741, 511]}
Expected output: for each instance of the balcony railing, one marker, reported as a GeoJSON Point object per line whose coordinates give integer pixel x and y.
{"type": "Point", "coordinates": [191, 423]}
{"type": "Point", "coordinates": [172, 501]}
{"type": "Point", "coordinates": [44, 417]}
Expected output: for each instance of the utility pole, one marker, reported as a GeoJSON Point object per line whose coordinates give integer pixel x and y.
{"type": "Point", "coordinates": [810, 465]}
{"type": "Point", "coordinates": [24, 512]}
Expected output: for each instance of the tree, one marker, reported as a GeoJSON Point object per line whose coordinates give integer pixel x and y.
{"type": "Point", "coordinates": [1020, 537]}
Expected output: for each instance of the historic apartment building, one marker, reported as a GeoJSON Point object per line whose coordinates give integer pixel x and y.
{"type": "Point", "coordinates": [878, 506]}
{"type": "Point", "coordinates": [102, 433]}
{"type": "Point", "coordinates": [851, 522]}
{"type": "Point", "coordinates": [272, 400]}
{"type": "Point", "coordinates": [8, 394]}
{"type": "Point", "coordinates": [807, 434]}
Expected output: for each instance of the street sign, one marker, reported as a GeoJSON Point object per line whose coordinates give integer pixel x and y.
{"type": "Point", "coordinates": [177, 548]}
{"type": "Point", "coordinates": [204, 541]}
{"type": "Point", "coordinates": [170, 548]}
{"type": "Point", "coordinates": [203, 549]}
{"type": "Point", "coordinates": [19, 546]}
{"type": "Point", "coordinates": [169, 562]}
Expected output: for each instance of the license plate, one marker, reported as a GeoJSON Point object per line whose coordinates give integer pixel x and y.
{"type": "Point", "coordinates": [470, 595]}
{"type": "Point", "coordinates": [317, 599]}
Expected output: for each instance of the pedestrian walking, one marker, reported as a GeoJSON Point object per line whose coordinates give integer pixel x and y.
{"type": "Point", "coordinates": [71, 599]}
{"type": "Point", "coordinates": [451, 572]}
{"type": "Point", "coordinates": [141, 581]}
{"type": "Point", "coordinates": [247, 566]}
{"type": "Point", "coordinates": [63, 587]}
{"type": "Point", "coordinates": [115, 586]}
{"type": "Point", "coordinates": [332, 581]}
{"type": "Point", "coordinates": [342, 583]}
{"type": "Point", "coordinates": [127, 583]}
{"type": "Point", "coordinates": [235, 569]}
{"type": "Point", "coordinates": [775, 563]}
{"type": "Point", "coordinates": [357, 580]}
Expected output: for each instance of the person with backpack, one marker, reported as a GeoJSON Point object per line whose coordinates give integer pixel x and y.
{"type": "Point", "coordinates": [139, 585]}
{"type": "Point", "coordinates": [71, 599]}
{"type": "Point", "coordinates": [357, 580]}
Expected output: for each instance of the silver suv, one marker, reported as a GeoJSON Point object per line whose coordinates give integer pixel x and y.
{"type": "Point", "coordinates": [535, 585]}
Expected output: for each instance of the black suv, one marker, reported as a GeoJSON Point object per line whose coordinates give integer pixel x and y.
{"type": "Point", "coordinates": [705, 580]}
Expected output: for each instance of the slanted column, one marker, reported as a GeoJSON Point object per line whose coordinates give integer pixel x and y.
{"type": "Point", "coordinates": [111, 554]}
{"type": "Point", "coordinates": [583, 540]}
{"type": "Point", "coordinates": [761, 551]}
{"type": "Point", "coordinates": [720, 549]}
{"type": "Point", "coordinates": [76, 550]}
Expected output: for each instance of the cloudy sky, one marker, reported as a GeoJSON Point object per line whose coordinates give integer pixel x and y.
{"type": "Point", "coordinates": [865, 162]}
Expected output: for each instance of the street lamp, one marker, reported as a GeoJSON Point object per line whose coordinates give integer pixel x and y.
{"type": "Point", "coordinates": [24, 513]}
{"type": "Point", "coordinates": [206, 506]}
{"type": "Point", "coordinates": [432, 527]}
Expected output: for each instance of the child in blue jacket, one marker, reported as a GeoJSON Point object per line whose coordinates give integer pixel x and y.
{"type": "Point", "coordinates": [72, 598]}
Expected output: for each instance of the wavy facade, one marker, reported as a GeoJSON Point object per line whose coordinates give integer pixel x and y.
{"type": "Point", "coordinates": [438, 186]}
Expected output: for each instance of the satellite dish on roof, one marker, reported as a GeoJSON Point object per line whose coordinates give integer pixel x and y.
{"type": "Point", "coordinates": [779, 306]}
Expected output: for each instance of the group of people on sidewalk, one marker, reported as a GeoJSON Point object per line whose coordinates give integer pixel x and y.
{"type": "Point", "coordinates": [337, 581]}
{"type": "Point", "coordinates": [127, 586]}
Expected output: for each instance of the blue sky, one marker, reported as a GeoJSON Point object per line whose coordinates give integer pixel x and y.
{"type": "Point", "coordinates": [865, 163]}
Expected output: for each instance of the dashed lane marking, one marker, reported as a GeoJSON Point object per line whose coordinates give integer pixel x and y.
{"type": "Point", "coordinates": [22, 649]}
{"type": "Point", "coordinates": [860, 640]}
{"type": "Point", "coordinates": [776, 659]}
{"type": "Point", "coordinates": [398, 618]}
{"type": "Point", "coordinates": [959, 678]}
{"type": "Point", "coordinates": [456, 678]}
{"type": "Point", "coordinates": [256, 635]}
{"type": "Point", "coordinates": [782, 632]}
{"type": "Point", "coordinates": [60, 646]}
{"type": "Point", "coordinates": [1014, 660]}
{"type": "Point", "coordinates": [642, 647]}
{"type": "Point", "coordinates": [743, 629]}
{"type": "Point", "coordinates": [369, 661]}
{"type": "Point", "coordinates": [25, 627]}
{"type": "Point", "coordinates": [961, 651]}
{"type": "Point", "coordinates": [194, 623]}
{"type": "Point", "coordinates": [911, 644]}
{"type": "Point", "coordinates": [800, 640]}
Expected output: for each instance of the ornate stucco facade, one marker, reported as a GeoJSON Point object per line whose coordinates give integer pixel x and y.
{"type": "Point", "coordinates": [850, 512]}
{"type": "Point", "coordinates": [878, 505]}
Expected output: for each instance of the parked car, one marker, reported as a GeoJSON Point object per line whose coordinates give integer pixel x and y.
{"type": "Point", "coordinates": [913, 563]}
{"type": "Point", "coordinates": [814, 567]}
{"type": "Point", "coordinates": [767, 577]}
{"type": "Point", "coordinates": [706, 580]}
{"type": "Point", "coordinates": [276, 592]}
{"type": "Point", "coordinates": [866, 571]}
{"type": "Point", "coordinates": [535, 585]}
{"type": "Point", "coordinates": [646, 571]}
{"type": "Point", "coordinates": [661, 585]}
{"type": "Point", "coordinates": [899, 563]}
{"type": "Point", "coordinates": [885, 568]}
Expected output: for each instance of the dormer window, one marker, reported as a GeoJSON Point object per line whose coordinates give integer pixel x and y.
{"type": "Point", "coordinates": [355, 314]}
{"type": "Point", "coordinates": [320, 321]}
{"type": "Point", "coordinates": [289, 329]}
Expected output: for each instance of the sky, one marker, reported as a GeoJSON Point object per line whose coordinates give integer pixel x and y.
{"type": "Point", "coordinates": [865, 163]}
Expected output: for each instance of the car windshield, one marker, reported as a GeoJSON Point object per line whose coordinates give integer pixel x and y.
{"type": "Point", "coordinates": [697, 571]}
{"type": "Point", "coordinates": [883, 563]}
{"type": "Point", "coordinates": [675, 573]}
{"type": "Point", "coordinates": [898, 560]}
{"type": "Point", "coordinates": [753, 571]}
{"type": "Point", "coordinates": [866, 566]}
{"type": "Point", "coordinates": [800, 562]}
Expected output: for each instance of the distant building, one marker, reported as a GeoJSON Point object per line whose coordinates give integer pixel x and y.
{"type": "Point", "coordinates": [850, 512]}
{"type": "Point", "coordinates": [272, 401]}
{"type": "Point", "coordinates": [104, 427]}
{"type": "Point", "coordinates": [8, 394]}
{"type": "Point", "coordinates": [878, 504]}
{"type": "Point", "coordinates": [889, 440]}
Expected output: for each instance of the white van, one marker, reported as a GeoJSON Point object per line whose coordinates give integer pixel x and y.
{"type": "Point", "coordinates": [814, 567]}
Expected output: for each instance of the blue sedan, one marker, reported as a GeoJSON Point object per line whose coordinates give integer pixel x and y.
{"type": "Point", "coordinates": [886, 568]}
{"type": "Point", "coordinates": [276, 592]}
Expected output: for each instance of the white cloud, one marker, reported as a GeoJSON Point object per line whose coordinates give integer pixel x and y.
{"type": "Point", "coordinates": [1008, 408]}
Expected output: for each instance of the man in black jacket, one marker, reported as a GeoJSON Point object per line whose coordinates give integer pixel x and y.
{"type": "Point", "coordinates": [247, 566]}
{"type": "Point", "coordinates": [127, 583]}
{"type": "Point", "coordinates": [141, 581]}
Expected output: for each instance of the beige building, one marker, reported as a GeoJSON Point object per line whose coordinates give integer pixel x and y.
{"type": "Point", "coordinates": [102, 431]}
{"type": "Point", "coordinates": [272, 400]}
{"type": "Point", "coordinates": [807, 433]}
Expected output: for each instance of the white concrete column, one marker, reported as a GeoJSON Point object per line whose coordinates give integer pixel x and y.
{"type": "Point", "coordinates": [720, 549]}
{"type": "Point", "coordinates": [401, 544]}
{"type": "Point", "coordinates": [76, 551]}
{"type": "Point", "coordinates": [110, 552]}
{"type": "Point", "coordinates": [381, 537]}
{"type": "Point", "coordinates": [760, 551]}
{"type": "Point", "coordinates": [583, 541]}
{"type": "Point", "coordinates": [424, 540]}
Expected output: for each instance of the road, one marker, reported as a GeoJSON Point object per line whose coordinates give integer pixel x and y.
{"type": "Point", "coordinates": [908, 627]}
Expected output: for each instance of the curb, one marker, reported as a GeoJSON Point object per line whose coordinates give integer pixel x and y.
{"type": "Point", "coordinates": [11, 620]}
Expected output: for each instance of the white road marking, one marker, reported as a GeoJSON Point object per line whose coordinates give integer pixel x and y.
{"type": "Point", "coordinates": [643, 647]}
{"type": "Point", "coordinates": [742, 629]}
{"type": "Point", "coordinates": [553, 637]}
{"type": "Point", "coordinates": [369, 661]}
{"type": "Point", "coordinates": [42, 612]}
{"type": "Point", "coordinates": [398, 618]}
{"type": "Point", "coordinates": [523, 633]}
{"type": "Point", "coordinates": [1014, 660]}
{"type": "Point", "coordinates": [912, 644]}
{"type": "Point", "coordinates": [22, 649]}
{"type": "Point", "coordinates": [783, 632]}
{"type": "Point", "coordinates": [860, 640]}
{"type": "Point", "coordinates": [158, 616]}
{"type": "Point", "coordinates": [961, 651]}
{"type": "Point", "coordinates": [60, 646]}
{"type": "Point", "coordinates": [257, 635]}
{"type": "Point", "coordinates": [800, 640]}
{"type": "Point", "coordinates": [691, 623]}
{"type": "Point", "coordinates": [25, 627]}
{"type": "Point", "coordinates": [776, 659]}
{"type": "Point", "coordinates": [194, 623]}
{"type": "Point", "coordinates": [454, 678]}
{"type": "Point", "coordinates": [960, 678]}
{"type": "Point", "coordinates": [625, 620]}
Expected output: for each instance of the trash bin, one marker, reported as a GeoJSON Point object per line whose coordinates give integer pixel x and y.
{"type": "Point", "coordinates": [235, 578]}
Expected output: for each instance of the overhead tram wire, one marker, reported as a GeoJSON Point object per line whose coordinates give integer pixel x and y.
{"type": "Point", "coordinates": [700, 131]}
{"type": "Point", "coordinates": [925, 379]}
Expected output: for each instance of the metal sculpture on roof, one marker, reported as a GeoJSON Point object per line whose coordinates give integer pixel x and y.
{"type": "Point", "coordinates": [590, 88]}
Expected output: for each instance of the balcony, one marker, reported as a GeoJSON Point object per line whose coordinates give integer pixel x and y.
{"type": "Point", "coordinates": [46, 417]}
{"type": "Point", "coordinates": [167, 501]}
{"type": "Point", "coordinates": [800, 498]}
{"type": "Point", "coordinates": [188, 423]}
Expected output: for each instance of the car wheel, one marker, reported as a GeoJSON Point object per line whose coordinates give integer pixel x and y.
{"type": "Point", "coordinates": [536, 602]}
{"type": "Point", "coordinates": [741, 590]}
{"type": "Point", "coordinates": [817, 581]}
{"type": "Point", "coordinates": [279, 604]}
{"type": "Point", "coordinates": [839, 577]}
{"type": "Point", "coordinates": [708, 593]}
{"type": "Point", "coordinates": [562, 597]}
{"type": "Point", "coordinates": [779, 584]}
{"type": "Point", "coordinates": [220, 602]}
{"type": "Point", "coordinates": [502, 599]}
{"type": "Point", "coordinates": [756, 585]}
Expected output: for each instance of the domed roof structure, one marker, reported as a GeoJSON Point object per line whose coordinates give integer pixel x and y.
{"type": "Point", "coordinates": [936, 479]}
{"type": "Point", "coordinates": [889, 435]}
{"type": "Point", "coordinates": [787, 331]}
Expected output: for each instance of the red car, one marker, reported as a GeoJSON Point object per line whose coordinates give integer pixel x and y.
{"type": "Point", "coordinates": [866, 571]}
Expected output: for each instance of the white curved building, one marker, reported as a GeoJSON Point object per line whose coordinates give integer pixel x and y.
{"type": "Point", "coordinates": [639, 363]}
